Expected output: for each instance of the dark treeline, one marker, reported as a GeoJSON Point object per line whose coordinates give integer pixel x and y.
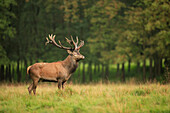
{"type": "Point", "coordinates": [123, 39]}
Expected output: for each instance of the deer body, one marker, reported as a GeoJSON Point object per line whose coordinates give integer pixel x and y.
{"type": "Point", "coordinates": [56, 71]}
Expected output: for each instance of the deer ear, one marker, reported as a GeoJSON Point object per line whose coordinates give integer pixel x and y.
{"type": "Point", "coordinates": [69, 52]}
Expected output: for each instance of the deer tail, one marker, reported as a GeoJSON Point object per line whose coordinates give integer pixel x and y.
{"type": "Point", "coordinates": [28, 68]}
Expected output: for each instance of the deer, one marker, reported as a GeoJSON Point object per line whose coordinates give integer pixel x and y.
{"type": "Point", "coordinates": [59, 71]}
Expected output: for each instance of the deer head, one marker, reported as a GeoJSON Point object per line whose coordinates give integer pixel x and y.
{"type": "Point", "coordinates": [72, 51]}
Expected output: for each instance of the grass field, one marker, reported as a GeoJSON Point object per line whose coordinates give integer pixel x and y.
{"type": "Point", "coordinates": [93, 98]}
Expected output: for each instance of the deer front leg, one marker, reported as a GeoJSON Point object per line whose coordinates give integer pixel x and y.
{"type": "Point", "coordinates": [63, 84]}
{"type": "Point", "coordinates": [59, 84]}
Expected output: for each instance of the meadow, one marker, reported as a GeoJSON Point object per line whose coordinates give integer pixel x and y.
{"type": "Point", "coordinates": [91, 98]}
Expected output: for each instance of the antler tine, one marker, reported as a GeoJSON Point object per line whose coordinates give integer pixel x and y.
{"type": "Point", "coordinates": [50, 36]}
{"type": "Point", "coordinates": [69, 41]}
{"type": "Point", "coordinates": [47, 41]}
{"type": "Point", "coordinates": [77, 40]}
{"type": "Point", "coordinates": [80, 45]}
{"type": "Point", "coordinates": [75, 45]}
{"type": "Point", "coordinates": [53, 37]}
{"type": "Point", "coordinates": [60, 43]}
{"type": "Point", "coordinates": [72, 39]}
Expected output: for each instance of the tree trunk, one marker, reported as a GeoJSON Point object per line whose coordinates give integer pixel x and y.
{"type": "Point", "coordinates": [118, 69]}
{"type": "Point", "coordinates": [150, 69]}
{"type": "Point", "coordinates": [2, 73]}
{"type": "Point", "coordinates": [9, 72]}
{"type": "Point", "coordinates": [25, 63]}
{"type": "Point", "coordinates": [79, 75]}
{"type": "Point", "coordinates": [98, 68]}
{"type": "Point", "coordinates": [107, 73]}
{"type": "Point", "coordinates": [25, 69]}
{"type": "Point", "coordinates": [31, 61]}
{"type": "Point", "coordinates": [90, 71]}
{"type": "Point", "coordinates": [13, 72]}
{"type": "Point", "coordinates": [144, 70]}
{"type": "Point", "coordinates": [159, 66]}
{"type": "Point", "coordinates": [95, 65]}
{"type": "Point", "coordinates": [18, 71]}
{"type": "Point", "coordinates": [129, 64]}
{"type": "Point", "coordinates": [102, 73]}
{"type": "Point", "coordinates": [155, 67]}
{"type": "Point", "coordinates": [84, 77]}
{"type": "Point", "coordinates": [123, 72]}
{"type": "Point", "coordinates": [138, 67]}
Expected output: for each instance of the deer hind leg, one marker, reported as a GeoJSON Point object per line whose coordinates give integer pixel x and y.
{"type": "Point", "coordinates": [30, 88]}
{"type": "Point", "coordinates": [35, 83]}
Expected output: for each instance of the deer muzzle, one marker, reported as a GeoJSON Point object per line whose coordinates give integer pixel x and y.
{"type": "Point", "coordinates": [83, 57]}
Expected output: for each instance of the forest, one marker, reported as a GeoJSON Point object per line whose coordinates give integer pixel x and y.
{"type": "Point", "coordinates": [125, 40]}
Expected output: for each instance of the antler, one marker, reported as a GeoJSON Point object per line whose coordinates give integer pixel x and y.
{"type": "Point", "coordinates": [52, 41]}
{"type": "Point", "coordinates": [76, 44]}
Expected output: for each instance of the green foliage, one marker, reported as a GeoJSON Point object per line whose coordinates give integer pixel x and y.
{"type": "Point", "coordinates": [7, 18]}
{"type": "Point", "coordinates": [114, 31]}
{"type": "Point", "coordinates": [149, 28]}
{"type": "Point", "coordinates": [7, 29]}
{"type": "Point", "coordinates": [102, 18]}
{"type": "Point", "coordinates": [3, 56]}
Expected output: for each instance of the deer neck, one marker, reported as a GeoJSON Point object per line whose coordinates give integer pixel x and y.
{"type": "Point", "coordinates": [70, 64]}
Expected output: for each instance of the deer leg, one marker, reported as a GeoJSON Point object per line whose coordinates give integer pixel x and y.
{"type": "Point", "coordinates": [63, 84]}
{"type": "Point", "coordinates": [30, 88]}
{"type": "Point", "coordinates": [59, 84]}
{"type": "Point", "coordinates": [35, 83]}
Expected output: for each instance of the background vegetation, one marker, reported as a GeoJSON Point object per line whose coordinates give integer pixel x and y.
{"type": "Point", "coordinates": [123, 39]}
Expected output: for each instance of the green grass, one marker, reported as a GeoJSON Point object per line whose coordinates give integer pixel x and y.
{"type": "Point", "coordinates": [93, 98]}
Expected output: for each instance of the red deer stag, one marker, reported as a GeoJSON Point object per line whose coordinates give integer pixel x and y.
{"type": "Point", "coordinates": [56, 71]}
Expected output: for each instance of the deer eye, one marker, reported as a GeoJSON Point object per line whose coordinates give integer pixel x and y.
{"type": "Point", "coordinates": [75, 54]}
{"type": "Point", "coordinates": [78, 53]}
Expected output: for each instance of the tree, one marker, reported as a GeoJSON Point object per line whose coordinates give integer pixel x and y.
{"type": "Point", "coordinates": [7, 29]}
{"type": "Point", "coordinates": [149, 31]}
{"type": "Point", "coordinates": [102, 40]}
